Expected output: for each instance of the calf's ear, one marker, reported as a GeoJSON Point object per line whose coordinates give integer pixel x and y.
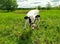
{"type": "Point", "coordinates": [37, 16]}
{"type": "Point", "coordinates": [26, 17]}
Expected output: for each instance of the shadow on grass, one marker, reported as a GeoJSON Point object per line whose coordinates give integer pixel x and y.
{"type": "Point", "coordinates": [25, 38]}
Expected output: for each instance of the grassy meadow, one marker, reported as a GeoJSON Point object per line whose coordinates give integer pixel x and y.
{"type": "Point", "coordinates": [12, 32]}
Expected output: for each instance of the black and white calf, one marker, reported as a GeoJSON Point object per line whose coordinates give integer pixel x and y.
{"type": "Point", "coordinates": [31, 17]}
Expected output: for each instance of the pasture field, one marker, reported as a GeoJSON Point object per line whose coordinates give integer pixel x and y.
{"type": "Point", "coordinates": [12, 32]}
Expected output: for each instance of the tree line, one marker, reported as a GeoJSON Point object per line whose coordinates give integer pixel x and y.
{"type": "Point", "coordinates": [49, 6]}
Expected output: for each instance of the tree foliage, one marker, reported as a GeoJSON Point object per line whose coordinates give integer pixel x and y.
{"type": "Point", "coordinates": [9, 5]}
{"type": "Point", "coordinates": [48, 6]}
{"type": "Point", "coordinates": [38, 7]}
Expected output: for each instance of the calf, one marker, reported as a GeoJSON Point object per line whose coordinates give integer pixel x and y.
{"type": "Point", "coordinates": [31, 17]}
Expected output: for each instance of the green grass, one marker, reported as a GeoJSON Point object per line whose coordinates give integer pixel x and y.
{"type": "Point", "coordinates": [12, 32]}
